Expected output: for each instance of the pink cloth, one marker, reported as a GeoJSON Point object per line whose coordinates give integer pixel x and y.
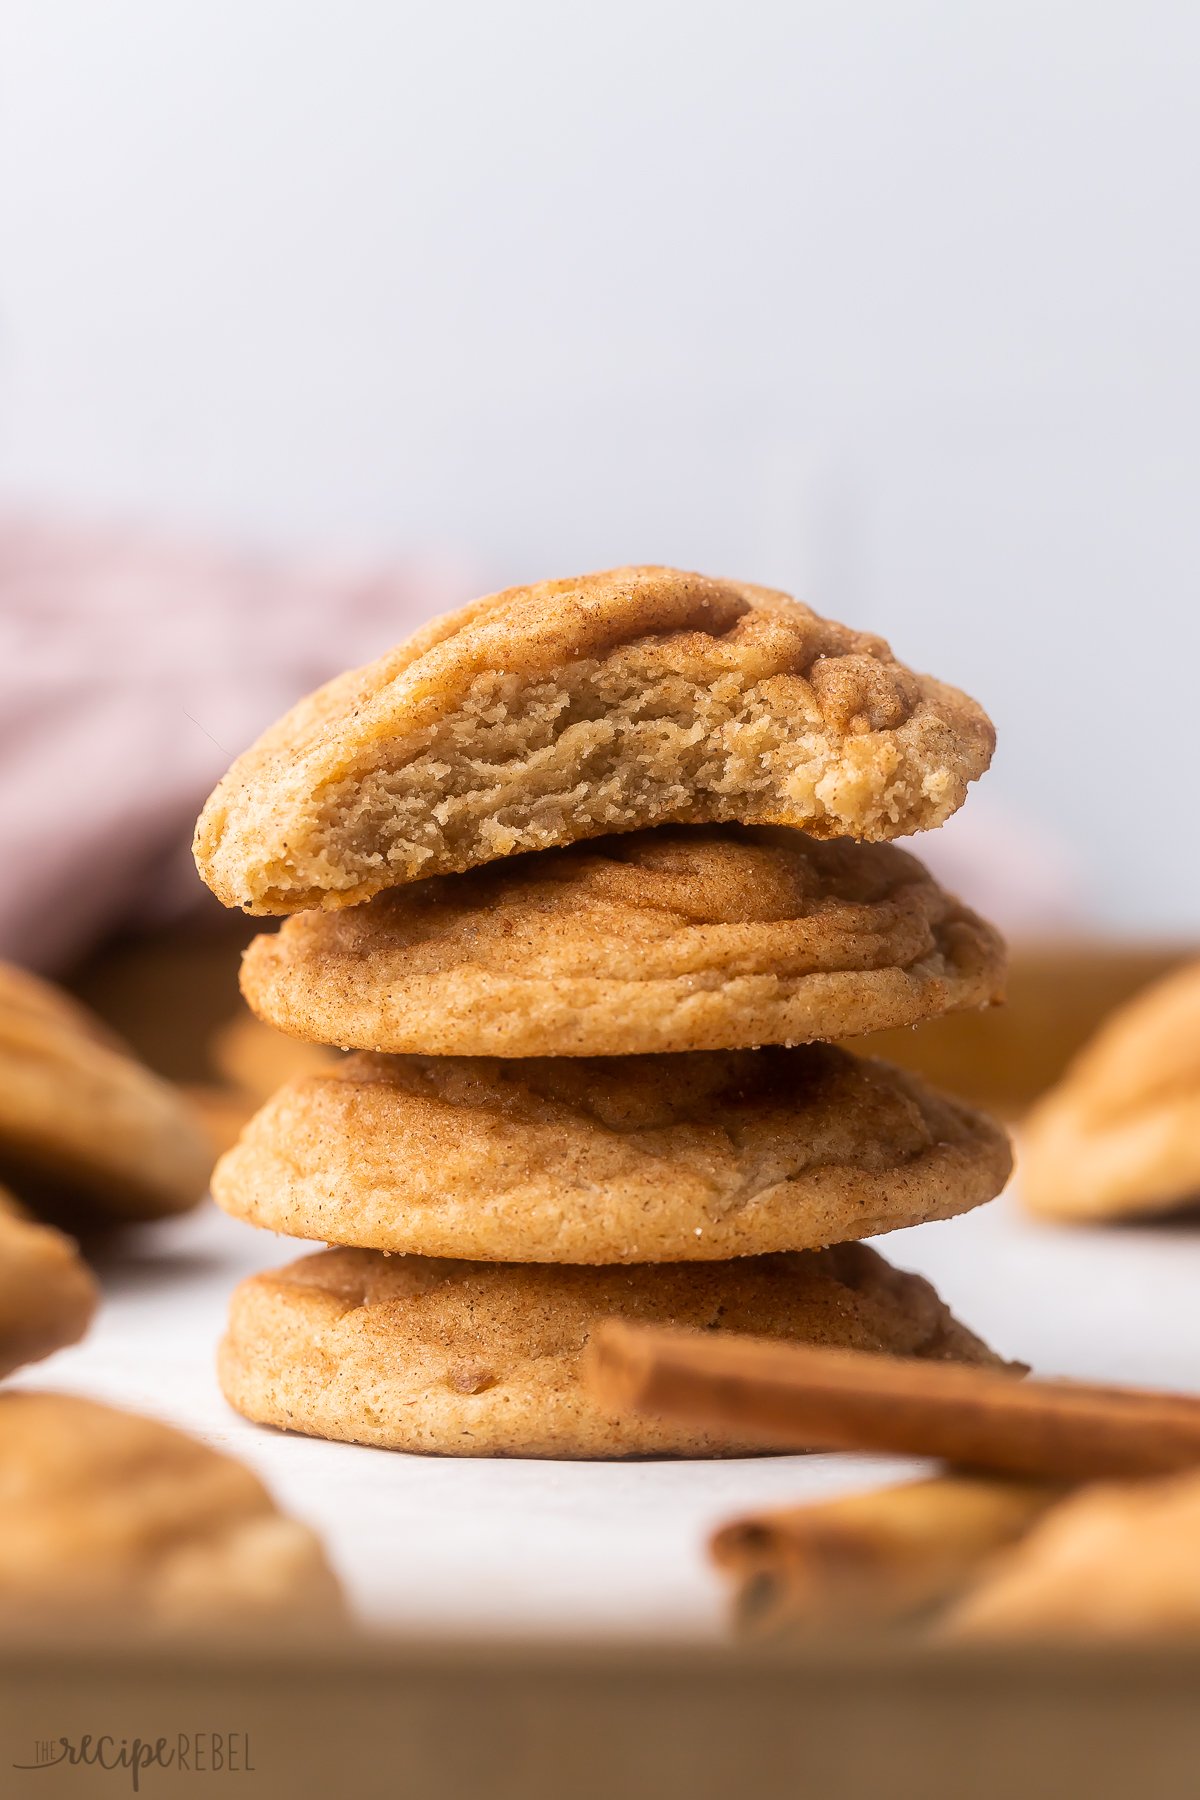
{"type": "Point", "coordinates": [132, 670]}
{"type": "Point", "coordinates": [1013, 871]}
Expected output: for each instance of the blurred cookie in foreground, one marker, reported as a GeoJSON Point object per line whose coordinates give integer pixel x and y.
{"type": "Point", "coordinates": [570, 709]}
{"type": "Point", "coordinates": [880, 1557]}
{"type": "Point", "coordinates": [483, 1359]}
{"type": "Point", "coordinates": [47, 1292]}
{"type": "Point", "coordinates": [1120, 1135]}
{"type": "Point", "coordinates": [106, 1513]}
{"type": "Point", "coordinates": [692, 1157]}
{"type": "Point", "coordinates": [683, 938]}
{"type": "Point", "coordinates": [1110, 1562]}
{"type": "Point", "coordinates": [88, 1135]}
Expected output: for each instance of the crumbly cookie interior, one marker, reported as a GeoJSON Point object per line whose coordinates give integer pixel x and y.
{"type": "Point", "coordinates": [608, 746]}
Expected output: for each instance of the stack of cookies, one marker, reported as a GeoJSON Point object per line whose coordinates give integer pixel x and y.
{"type": "Point", "coordinates": [589, 877]}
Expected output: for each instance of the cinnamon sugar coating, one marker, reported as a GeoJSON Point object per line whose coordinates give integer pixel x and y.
{"type": "Point", "coordinates": [482, 1359]}
{"type": "Point", "coordinates": [623, 1160]}
{"type": "Point", "coordinates": [683, 938]}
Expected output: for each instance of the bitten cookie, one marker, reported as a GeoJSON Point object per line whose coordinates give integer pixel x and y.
{"type": "Point", "coordinates": [700, 938]}
{"type": "Point", "coordinates": [633, 1159]}
{"type": "Point", "coordinates": [47, 1292]}
{"type": "Point", "coordinates": [470, 1359]}
{"type": "Point", "coordinates": [566, 710]}
{"type": "Point", "coordinates": [87, 1134]}
{"type": "Point", "coordinates": [1120, 1134]}
{"type": "Point", "coordinates": [103, 1512]}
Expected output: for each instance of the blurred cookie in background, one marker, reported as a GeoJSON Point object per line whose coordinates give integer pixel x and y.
{"type": "Point", "coordinates": [251, 1060]}
{"type": "Point", "coordinates": [254, 1059]}
{"type": "Point", "coordinates": [47, 1292]}
{"type": "Point", "coordinates": [1119, 1136]}
{"type": "Point", "coordinates": [224, 1062]}
{"type": "Point", "coordinates": [1112, 1562]}
{"type": "Point", "coordinates": [1060, 991]}
{"type": "Point", "coordinates": [222, 1112]}
{"type": "Point", "coordinates": [88, 1135]}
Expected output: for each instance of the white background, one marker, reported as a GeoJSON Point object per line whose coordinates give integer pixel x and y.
{"type": "Point", "coordinates": [896, 304]}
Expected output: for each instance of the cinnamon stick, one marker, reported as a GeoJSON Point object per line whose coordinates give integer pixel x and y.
{"type": "Point", "coordinates": [791, 1397]}
{"type": "Point", "coordinates": [871, 1558]}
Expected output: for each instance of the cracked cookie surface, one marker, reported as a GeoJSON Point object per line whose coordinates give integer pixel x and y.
{"type": "Point", "coordinates": [684, 938]}
{"type": "Point", "coordinates": [693, 1157]}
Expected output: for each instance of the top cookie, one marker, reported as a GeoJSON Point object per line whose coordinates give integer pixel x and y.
{"type": "Point", "coordinates": [88, 1134]}
{"type": "Point", "coordinates": [607, 703]}
{"type": "Point", "coordinates": [685, 938]}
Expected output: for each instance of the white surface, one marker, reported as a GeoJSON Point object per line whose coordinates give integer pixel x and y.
{"type": "Point", "coordinates": [894, 305]}
{"type": "Point", "coordinates": [587, 1549]}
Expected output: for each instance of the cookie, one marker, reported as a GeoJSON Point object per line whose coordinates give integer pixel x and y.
{"type": "Point", "coordinates": [47, 1293]}
{"type": "Point", "coordinates": [1120, 1134]}
{"type": "Point", "coordinates": [586, 1160]}
{"type": "Point", "coordinates": [1112, 1562]}
{"type": "Point", "coordinates": [87, 1134]}
{"type": "Point", "coordinates": [224, 1112]}
{"type": "Point", "coordinates": [576, 708]}
{"type": "Point", "coordinates": [254, 1060]}
{"type": "Point", "coordinates": [104, 1512]}
{"type": "Point", "coordinates": [685, 938]}
{"type": "Point", "coordinates": [483, 1359]}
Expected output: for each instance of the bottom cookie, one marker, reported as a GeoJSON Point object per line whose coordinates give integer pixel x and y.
{"type": "Point", "coordinates": [482, 1359]}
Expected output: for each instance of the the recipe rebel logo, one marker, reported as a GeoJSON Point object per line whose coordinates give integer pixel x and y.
{"type": "Point", "coordinates": [192, 1752]}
